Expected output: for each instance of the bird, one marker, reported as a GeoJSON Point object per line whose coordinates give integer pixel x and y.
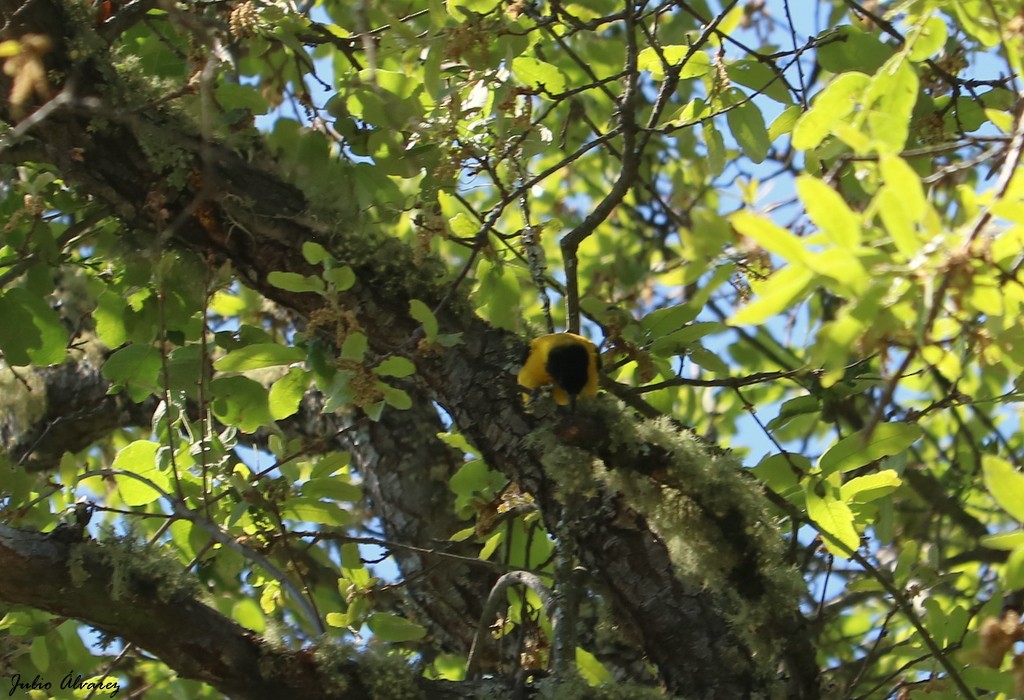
{"type": "Point", "coordinates": [567, 361]}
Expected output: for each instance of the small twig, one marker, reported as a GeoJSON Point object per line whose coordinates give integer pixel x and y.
{"type": "Point", "coordinates": [495, 600]}
{"type": "Point", "coordinates": [630, 167]}
{"type": "Point", "coordinates": [757, 378]}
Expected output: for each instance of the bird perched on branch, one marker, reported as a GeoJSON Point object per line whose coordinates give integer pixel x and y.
{"type": "Point", "coordinates": [567, 361]}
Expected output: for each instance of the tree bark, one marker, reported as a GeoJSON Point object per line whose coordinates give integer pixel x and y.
{"type": "Point", "coordinates": [235, 209]}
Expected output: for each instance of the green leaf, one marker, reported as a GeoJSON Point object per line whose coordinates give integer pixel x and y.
{"type": "Point", "coordinates": [343, 278]}
{"type": "Point", "coordinates": [463, 534]}
{"type": "Point", "coordinates": [793, 408]}
{"type": "Point", "coordinates": [538, 75]}
{"type": "Point", "coordinates": [747, 126]}
{"type": "Point", "coordinates": [927, 39]}
{"type": "Point", "coordinates": [39, 655]}
{"type": "Point", "coordinates": [860, 449]}
{"type": "Point", "coordinates": [760, 78]}
{"type": "Point", "coordinates": [890, 99]}
{"type": "Point", "coordinates": [902, 203]}
{"type": "Point", "coordinates": [395, 366]}
{"type": "Point", "coordinates": [1005, 484]}
{"type": "Point", "coordinates": [351, 558]}
{"type": "Point", "coordinates": [1005, 541]}
{"type": "Point", "coordinates": [258, 356]}
{"type": "Point", "coordinates": [241, 402]}
{"type": "Point", "coordinates": [1013, 571]}
{"type": "Point", "coordinates": [474, 480]}
{"type": "Point", "coordinates": [422, 313]}
{"type": "Point", "coordinates": [232, 95]}
{"type": "Point", "coordinates": [832, 106]}
{"type": "Point", "coordinates": [315, 511]}
{"type": "Point", "coordinates": [898, 222]}
{"type": "Point", "coordinates": [294, 282]}
{"type": "Point", "coordinates": [782, 472]}
{"type": "Point", "coordinates": [498, 294]}
{"type": "Point", "coordinates": [314, 253]}
{"type": "Point", "coordinates": [679, 341]}
{"type": "Point", "coordinates": [784, 123]}
{"type": "Point", "coordinates": [592, 670]}
{"type": "Point", "coordinates": [139, 457]}
{"type": "Point", "coordinates": [395, 397]}
{"type": "Point", "coordinates": [491, 545]}
{"type": "Point", "coordinates": [460, 9]}
{"type": "Point", "coordinates": [833, 518]}
{"type": "Point", "coordinates": [697, 65]}
{"type": "Point", "coordinates": [355, 346]}
{"type": "Point", "coordinates": [336, 619]}
{"type": "Point", "coordinates": [770, 236]}
{"type": "Point", "coordinates": [715, 145]}
{"type": "Point", "coordinates": [136, 367]}
{"type": "Point", "coordinates": [392, 628]}
{"type": "Point", "coordinates": [779, 293]}
{"type": "Point", "coordinates": [663, 321]}
{"type": "Point", "coordinates": [109, 317]}
{"type": "Point", "coordinates": [332, 488]}
{"type": "Point", "coordinates": [287, 392]}
{"type": "Point", "coordinates": [848, 48]}
{"type": "Point", "coordinates": [870, 487]}
{"type": "Point", "coordinates": [830, 212]}
{"type": "Point", "coordinates": [40, 337]}
{"type": "Point", "coordinates": [707, 359]}
{"type": "Point", "coordinates": [248, 614]}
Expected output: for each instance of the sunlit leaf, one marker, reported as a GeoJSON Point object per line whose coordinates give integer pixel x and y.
{"type": "Point", "coordinates": [1005, 484]}
{"type": "Point", "coordinates": [829, 212]}
{"type": "Point", "coordinates": [392, 628]}
{"type": "Point", "coordinates": [832, 517]}
{"type": "Point", "coordinates": [259, 355]}
{"type": "Point", "coordinates": [862, 448]}
{"type": "Point", "coordinates": [294, 282]}
{"type": "Point", "coordinates": [539, 75]}
{"type": "Point", "coordinates": [139, 458]}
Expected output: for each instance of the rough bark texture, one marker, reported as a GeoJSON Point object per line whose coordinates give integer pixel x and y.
{"type": "Point", "coordinates": [235, 209]}
{"type": "Point", "coordinates": [75, 579]}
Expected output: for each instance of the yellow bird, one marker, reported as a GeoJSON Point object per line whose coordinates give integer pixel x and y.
{"type": "Point", "coordinates": [567, 361]}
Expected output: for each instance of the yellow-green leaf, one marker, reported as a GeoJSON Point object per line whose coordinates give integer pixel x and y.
{"type": "Point", "coordinates": [287, 392]}
{"type": "Point", "coordinates": [860, 449]}
{"type": "Point", "coordinates": [832, 105]}
{"type": "Point", "coordinates": [833, 518]}
{"type": "Point", "coordinates": [592, 670]}
{"type": "Point", "coordinates": [747, 127]}
{"type": "Point", "coordinates": [395, 367]}
{"type": "Point", "coordinates": [1013, 570]}
{"type": "Point", "coordinates": [139, 457]}
{"type": "Point", "coordinates": [259, 355]}
{"type": "Point", "coordinates": [491, 545]}
{"type": "Point", "coordinates": [1005, 541]}
{"type": "Point", "coordinates": [538, 75]}
{"type": "Point", "coordinates": [294, 282]}
{"type": "Point", "coordinates": [776, 295]}
{"type": "Point", "coordinates": [829, 211]}
{"type": "Point", "coordinates": [422, 313]}
{"type": "Point", "coordinates": [927, 38]}
{"type": "Point", "coordinates": [770, 236]}
{"type": "Point", "coordinates": [697, 65]}
{"type": "Point", "coordinates": [392, 628]}
{"type": "Point", "coordinates": [1005, 484]}
{"type": "Point", "coordinates": [870, 487]}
